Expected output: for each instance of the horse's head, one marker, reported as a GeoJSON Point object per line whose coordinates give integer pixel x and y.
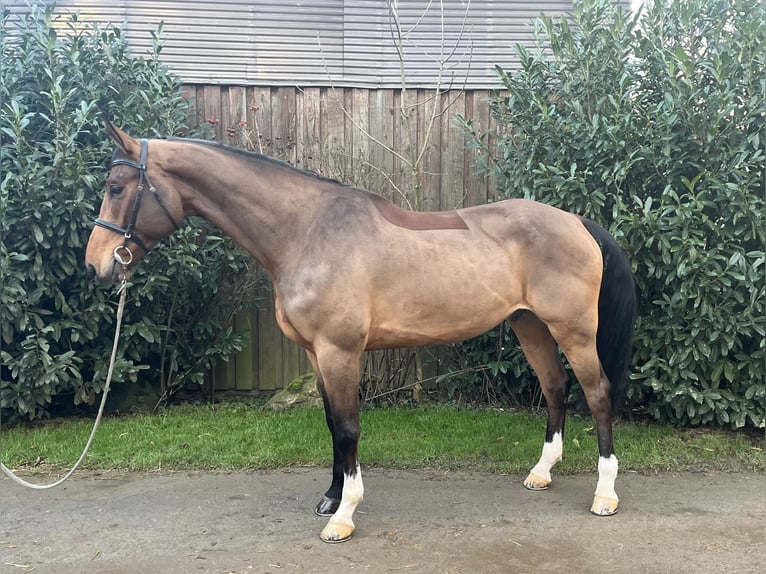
{"type": "Point", "coordinates": [135, 215]}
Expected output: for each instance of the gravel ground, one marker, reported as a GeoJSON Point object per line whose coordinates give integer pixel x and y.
{"type": "Point", "coordinates": [410, 521]}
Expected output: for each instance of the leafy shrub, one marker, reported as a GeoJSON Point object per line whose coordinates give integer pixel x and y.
{"type": "Point", "coordinates": [489, 368]}
{"type": "Point", "coordinates": [653, 127]}
{"type": "Point", "coordinates": [57, 76]}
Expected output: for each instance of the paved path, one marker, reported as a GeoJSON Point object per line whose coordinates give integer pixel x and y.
{"type": "Point", "coordinates": [424, 522]}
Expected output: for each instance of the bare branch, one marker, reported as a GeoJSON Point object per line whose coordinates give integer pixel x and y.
{"type": "Point", "coordinates": [365, 132]}
{"type": "Point", "coordinates": [410, 155]}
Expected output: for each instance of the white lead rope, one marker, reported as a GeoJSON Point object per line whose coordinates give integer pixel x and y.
{"type": "Point", "coordinates": [7, 471]}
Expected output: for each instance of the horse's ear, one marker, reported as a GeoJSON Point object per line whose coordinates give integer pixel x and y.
{"type": "Point", "coordinates": [127, 144]}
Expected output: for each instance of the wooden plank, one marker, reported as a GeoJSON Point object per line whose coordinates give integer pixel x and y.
{"type": "Point", "coordinates": [244, 378]}
{"type": "Point", "coordinates": [252, 133]}
{"type": "Point", "coordinates": [347, 152]}
{"type": "Point", "coordinates": [360, 137]}
{"type": "Point", "coordinates": [409, 173]}
{"type": "Point", "coordinates": [291, 363]}
{"type": "Point", "coordinates": [447, 195]}
{"type": "Point", "coordinates": [283, 124]}
{"type": "Point", "coordinates": [212, 110]}
{"type": "Point", "coordinates": [189, 93]}
{"type": "Point", "coordinates": [332, 119]}
{"type": "Point", "coordinates": [237, 105]}
{"type": "Point", "coordinates": [269, 351]}
{"type": "Point", "coordinates": [226, 134]}
{"type": "Point", "coordinates": [429, 138]}
{"type": "Point", "coordinates": [487, 123]}
{"type": "Point", "coordinates": [477, 185]}
{"type": "Point", "coordinates": [452, 152]}
{"type": "Point", "coordinates": [386, 116]}
{"type": "Point", "coordinates": [277, 129]}
{"type": "Point", "coordinates": [199, 106]}
{"type": "Point", "coordinates": [470, 179]}
{"type": "Point", "coordinates": [376, 152]}
{"type": "Point", "coordinates": [224, 376]}
{"type": "Point", "coordinates": [397, 123]}
{"type": "Point", "coordinates": [235, 113]}
{"type": "Point", "coordinates": [310, 156]}
{"type": "Point", "coordinates": [300, 127]}
{"type": "Point", "coordinates": [254, 343]}
{"type": "Point", "coordinates": [259, 119]}
{"type": "Point", "coordinates": [290, 122]}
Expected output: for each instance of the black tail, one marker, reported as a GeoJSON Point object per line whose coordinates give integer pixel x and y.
{"type": "Point", "coordinates": [616, 313]}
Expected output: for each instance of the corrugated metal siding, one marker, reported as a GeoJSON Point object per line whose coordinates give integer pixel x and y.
{"type": "Point", "coordinates": [463, 40]}
{"type": "Point", "coordinates": [325, 42]}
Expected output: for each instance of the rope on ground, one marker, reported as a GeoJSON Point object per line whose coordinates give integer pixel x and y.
{"type": "Point", "coordinates": [112, 360]}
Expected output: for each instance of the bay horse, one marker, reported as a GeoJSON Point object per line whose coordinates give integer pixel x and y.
{"type": "Point", "coordinates": [352, 272]}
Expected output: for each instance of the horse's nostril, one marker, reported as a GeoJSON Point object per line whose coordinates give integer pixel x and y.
{"type": "Point", "coordinates": [92, 272]}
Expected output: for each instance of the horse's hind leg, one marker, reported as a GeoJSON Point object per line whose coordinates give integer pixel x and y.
{"type": "Point", "coordinates": [580, 350]}
{"type": "Point", "coordinates": [339, 372]}
{"type": "Point", "coordinates": [542, 353]}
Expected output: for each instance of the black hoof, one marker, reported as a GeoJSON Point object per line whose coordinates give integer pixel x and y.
{"type": "Point", "coordinates": [327, 506]}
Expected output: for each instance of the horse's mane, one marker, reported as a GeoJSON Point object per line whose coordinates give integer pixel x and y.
{"type": "Point", "coordinates": [253, 156]}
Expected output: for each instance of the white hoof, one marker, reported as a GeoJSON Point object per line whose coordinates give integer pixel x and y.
{"type": "Point", "coordinates": [604, 506]}
{"type": "Point", "coordinates": [536, 482]}
{"type": "Point", "coordinates": [336, 532]}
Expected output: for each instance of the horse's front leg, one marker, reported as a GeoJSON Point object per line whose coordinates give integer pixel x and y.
{"type": "Point", "coordinates": [338, 372]}
{"type": "Point", "coordinates": [331, 499]}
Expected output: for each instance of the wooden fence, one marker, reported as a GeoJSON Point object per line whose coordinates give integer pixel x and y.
{"type": "Point", "coordinates": [404, 145]}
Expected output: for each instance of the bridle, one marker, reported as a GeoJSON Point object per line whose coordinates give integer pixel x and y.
{"type": "Point", "coordinates": [123, 253]}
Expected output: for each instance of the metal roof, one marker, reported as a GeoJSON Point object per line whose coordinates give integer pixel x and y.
{"type": "Point", "coordinates": [347, 43]}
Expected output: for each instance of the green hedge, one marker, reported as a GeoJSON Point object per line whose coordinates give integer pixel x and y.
{"type": "Point", "coordinates": [654, 127]}
{"type": "Point", "coordinates": [57, 76]}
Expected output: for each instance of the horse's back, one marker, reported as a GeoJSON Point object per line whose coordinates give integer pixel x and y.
{"type": "Point", "coordinates": [442, 286]}
{"type": "Point", "coordinates": [522, 220]}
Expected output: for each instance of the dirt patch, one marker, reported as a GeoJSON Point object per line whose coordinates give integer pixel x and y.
{"type": "Point", "coordinates": [410, 521]}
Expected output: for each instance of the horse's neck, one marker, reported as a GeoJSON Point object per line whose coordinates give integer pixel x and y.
{"type": "Point", "coordinates": [260, 204]}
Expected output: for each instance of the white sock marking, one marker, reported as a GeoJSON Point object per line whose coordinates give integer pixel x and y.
{"type": "Point", "coordinates": [353, 493]}
{"type": "Point", "coordinates": [607, 474]}
{"type": "Point", "coordinates": [552, 452]}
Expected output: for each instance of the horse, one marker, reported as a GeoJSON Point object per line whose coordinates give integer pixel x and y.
{"type": "Point", "coordinates": [352, 272]}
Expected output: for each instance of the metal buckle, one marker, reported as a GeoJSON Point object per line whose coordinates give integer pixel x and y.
{"type": "Point", "coordinates": [118, 255]}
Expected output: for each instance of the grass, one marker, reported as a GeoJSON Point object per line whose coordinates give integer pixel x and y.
{"type": "Point", "coordinates": [237, 436]}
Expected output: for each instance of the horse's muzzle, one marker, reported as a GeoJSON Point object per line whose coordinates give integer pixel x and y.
{"type": "Point", "coordinates": [112, 275]}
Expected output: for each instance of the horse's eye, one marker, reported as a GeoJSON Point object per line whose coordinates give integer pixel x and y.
{"type": "Point", "coordinates": [115, 190]}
